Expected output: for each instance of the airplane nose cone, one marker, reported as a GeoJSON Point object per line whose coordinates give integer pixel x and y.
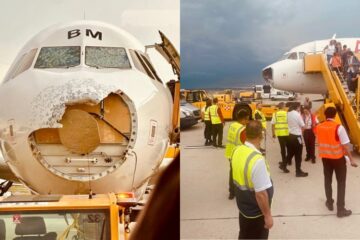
{"type": "Point", "coordinates": [268, 74]}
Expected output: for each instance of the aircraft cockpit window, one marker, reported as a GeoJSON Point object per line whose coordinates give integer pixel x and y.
{"type": "Point", "coordinates": [150, 66]}
{"type": "Point", "coordinates": [139, 65]}
{"type": "Point", "coordinates": [58, 57]}
{"type": "Point", "coordinates": [142, 64]}
{"type": "Point", "coordinates": [301, 55]}
{"type": "Point", "coordinates": [292, 56]}
{"type": "Point", "coordinates": [107, 57]}
{"type": "Point", "coordinates": [285, 56]}
{"type": "Point", "coordinates": [23, 64]}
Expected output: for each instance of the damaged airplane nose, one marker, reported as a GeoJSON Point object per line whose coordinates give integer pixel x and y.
{"type": "Point", "coordinates": [92, 141]}
{"type": "Point", "coordinates": [82, 118]}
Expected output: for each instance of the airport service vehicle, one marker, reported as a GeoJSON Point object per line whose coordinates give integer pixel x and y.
{"type": "Point", "coordinates": [248, 95]}
{"type": "Point", "coordinates": [189, 114]}
{"type": "Point", "coordinates": [191, 109]}
{"type": "Point", "coordinates": [259, 92]}
{"type": "Point", "coordinates": [61, 217]}
{"type": "Point", "coordinates": [281, 95]}
{"type": "Point", "coordinates": [306, 70]}
{"type": "Point", "coordinates": [227, 103]}
{"type": "Point", "coordinates": [263, 91]}
{"type": "Point", "coordinates": [195, 97]}
{"type": "Point", "coordinates": [187, 118]}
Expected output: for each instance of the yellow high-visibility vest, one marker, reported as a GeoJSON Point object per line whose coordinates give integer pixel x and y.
{"type": "Point", "coordinates": [215, 119]}
{"type": "Point", "coordinates": [243, 161]}
{"type": "Point", "coordinates": [206, 114]}
{"type": "Point", "coordinates": [281, 123]}
{"type": "Point", "coordinates": [233, 138]}
{"type": "Point", "coordinates": [263, 118]}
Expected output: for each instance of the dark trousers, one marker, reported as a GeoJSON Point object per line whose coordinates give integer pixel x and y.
{"type": "Point", "coordinates": [231, 182]}
{"type": "Point", "coordinates": [295, 149]}
{"type": "Point", "coordinates": [339, 165]}
{"type": "Point", "coordinates": [252, 228]}
{"type": "Point", "coordinates": [351, 84]}
{"type": "Point", "coordinates": [283, 141]}
{"type": "Point", "coordinates": [208, 131]}
{"type": "Point", "coordinates": [309, 139]}
{"type": "Point", "coordinates": [217, 133]}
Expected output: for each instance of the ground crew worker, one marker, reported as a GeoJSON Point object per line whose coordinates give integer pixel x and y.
{"type": "Point", "coordinates": [310, 121]}
{"type": "Point", "coordinates": [280, 130]}
{"type": "Point", "coordinates": [258, 115]}
{"type": "Point", "coordinates": [334, 143]}
{"type": "Point", "coordinates": [207, 121]}
{"type": "Point", "coordinates": [253, 186]}
{"type": "Point", "coordinates": [295, 146]}
{"type": "Point", "coordinates": [217, 123]}
{"type": "Point", "coordinates": [235, 137]}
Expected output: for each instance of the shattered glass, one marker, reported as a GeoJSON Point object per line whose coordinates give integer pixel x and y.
{"type": "Point", "coordinates": [106, 57]}
{"type": "Point", "coordinates": [58, 57]}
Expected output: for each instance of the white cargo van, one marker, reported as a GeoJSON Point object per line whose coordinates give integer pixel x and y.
{"type": "Point", "coordinates": [276, 94]}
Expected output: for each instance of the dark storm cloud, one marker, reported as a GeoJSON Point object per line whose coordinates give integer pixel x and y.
{"type": "Point", "coordinates": [227, 43]}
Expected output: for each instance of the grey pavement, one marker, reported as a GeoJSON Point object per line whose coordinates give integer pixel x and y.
{"type": "Point", "coordinates": [298, 206]}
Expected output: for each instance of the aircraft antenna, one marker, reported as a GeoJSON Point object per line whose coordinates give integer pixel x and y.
{"type": "Point", "coordinates": [133, 180]}
{"type": "Point", "coordinates": [90, 192]}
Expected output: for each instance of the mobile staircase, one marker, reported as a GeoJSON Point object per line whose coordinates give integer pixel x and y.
{"type": "Point", "coordinates": [338, 95]}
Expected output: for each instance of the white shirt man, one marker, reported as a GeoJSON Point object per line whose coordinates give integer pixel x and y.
{"type": "Point", "coordinates": [295, 145]}
{"type": "Point", "coordinates": [343, 136]}
{"type": "Point", "coordinates": [295, 123]}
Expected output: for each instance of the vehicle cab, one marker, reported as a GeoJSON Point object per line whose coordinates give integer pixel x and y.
{"type": "Point", "coordinates": [65, 216]}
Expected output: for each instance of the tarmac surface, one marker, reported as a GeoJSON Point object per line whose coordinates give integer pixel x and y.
{"type": "Point", "coordinates": [298, 206]}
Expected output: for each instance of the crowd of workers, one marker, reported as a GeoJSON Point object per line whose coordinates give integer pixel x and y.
{"type": "Point", "coordinates": [250, 179]}
{"type": "Point", "coordinates": [342, 60]}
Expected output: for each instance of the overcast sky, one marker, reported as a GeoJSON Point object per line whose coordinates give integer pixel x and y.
{"type": "Point", "coordinates": [20, 20]}
{"type": "Point", "coordinates": [227, 43]}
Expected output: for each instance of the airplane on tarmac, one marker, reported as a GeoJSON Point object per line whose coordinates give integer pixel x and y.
{"type": "Point", "coordinates": [288, 73]}
{"type": "Point", "coordinates": [83, 109]}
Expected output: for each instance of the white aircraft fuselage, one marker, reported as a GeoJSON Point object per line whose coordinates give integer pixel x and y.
{"type": "Point", "coordinates": [288, 73]}
{"type": "Point", "coordinates": [82, 109]}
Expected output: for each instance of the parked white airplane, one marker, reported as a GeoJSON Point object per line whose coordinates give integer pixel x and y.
{"type": "Point", "coordinates": [82, 107]}
{"type": "Point", "coordinates": [288, 73]}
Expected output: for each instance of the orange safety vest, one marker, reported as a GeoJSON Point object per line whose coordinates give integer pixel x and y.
{"type": "Point", "coordinates": [329, 143]}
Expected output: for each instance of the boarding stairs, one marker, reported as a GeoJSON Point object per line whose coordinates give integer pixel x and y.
{"type": "Point", "coordinates": [346, 102]}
